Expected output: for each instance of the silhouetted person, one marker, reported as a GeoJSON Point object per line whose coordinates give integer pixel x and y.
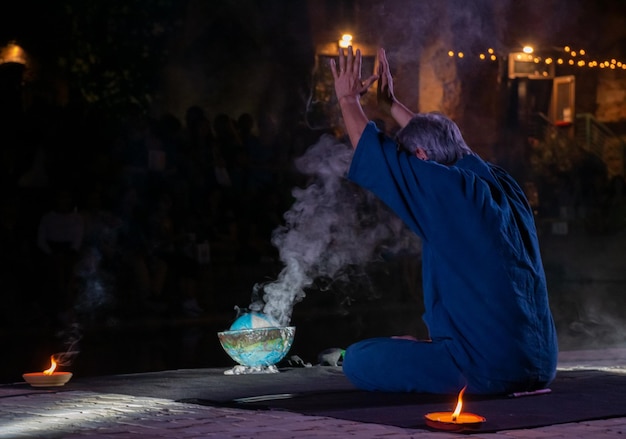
{"type": "Point", "coordinates": [59, 238]}
{"type": "Point", "coordinates": [16, 263]}
{"type": "Point", "coordinates": [258, 156]}
{"type": "Point", "coordinates": [230, 149]}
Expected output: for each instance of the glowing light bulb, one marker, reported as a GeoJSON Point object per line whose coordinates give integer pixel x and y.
{"type": "Point", "coordinates": [450, 53]}
{"type": "Point", "coordinates": [345, 41]}
{"type": "Point", "coordinates": [482, 56]}
{"type": "Point", "coordinates": [582, 52]}
{"type": "Point", "coordinates": [12, 53]}
{"type": "Point", "coordinates": [528, 49]}
{"type": "Point", "coordinates": [461, 55]}
{"type": "Point", "coordinates": [566, 48]}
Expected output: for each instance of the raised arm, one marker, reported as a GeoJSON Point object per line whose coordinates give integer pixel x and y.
{"type": "Point", "coordinates": [386, 97]}
{"type": "Point", "coordinates": [349, 87]}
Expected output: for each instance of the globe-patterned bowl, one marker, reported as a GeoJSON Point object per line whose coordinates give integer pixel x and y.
{"type": "Point", "coordinates": [253, 320]}
{"type": "Point", "coordinates": [258, 347]}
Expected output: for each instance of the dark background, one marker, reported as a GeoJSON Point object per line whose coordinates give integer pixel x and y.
{"type": "Point", "coordinates": [105, 78]}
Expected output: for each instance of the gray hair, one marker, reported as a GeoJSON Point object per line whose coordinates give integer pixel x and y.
{"type": "Point", "coordinates": [437, 135]}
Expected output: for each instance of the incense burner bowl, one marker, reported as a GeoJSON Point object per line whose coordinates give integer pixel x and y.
{"type": "Point", "coordinates": [257, 347]}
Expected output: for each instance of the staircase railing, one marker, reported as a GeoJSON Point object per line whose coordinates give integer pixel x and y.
{"type": "Point", "coordinates": [540, 126]}
{"type": "Point", "coordinates": [593, 135]}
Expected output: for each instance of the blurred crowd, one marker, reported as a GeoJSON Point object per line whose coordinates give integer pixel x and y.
{"type": "Point", "coordinates": [125, 213]}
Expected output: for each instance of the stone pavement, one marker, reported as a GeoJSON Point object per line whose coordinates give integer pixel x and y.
{"type": "Point", "coordinates": [43, 413]}
{"type": "Point", "coordinates": [75, 414]}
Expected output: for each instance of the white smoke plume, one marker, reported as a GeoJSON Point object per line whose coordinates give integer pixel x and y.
{"type": "Point", "coordinates": [332, 231]}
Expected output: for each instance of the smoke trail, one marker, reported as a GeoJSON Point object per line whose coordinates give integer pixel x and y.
{"type": "Point", "coordinates": [332, 231]}
{"type": "Point", "coordinates": [93, 294]}
{"type": "Point", "coordinates": [93, 285]}
{"type": "Point", "coordinates": [71, 337]}
{"type": "Point", "coordinates": [95, 281]}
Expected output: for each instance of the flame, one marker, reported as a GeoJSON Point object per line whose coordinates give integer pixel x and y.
{"type": "Point", "coordinates": [459, 405]}
{"type": "Point", "coordinates": [53, 366]}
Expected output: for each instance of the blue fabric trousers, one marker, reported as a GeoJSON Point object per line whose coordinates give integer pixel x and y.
{"type": "Point", "coordinates": [399, 365]}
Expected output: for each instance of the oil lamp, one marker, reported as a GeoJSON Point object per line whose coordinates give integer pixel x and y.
{"type": "Point", "coordinates": [48, 378]}
{"type": "Point", "coordinates": [456, 420]}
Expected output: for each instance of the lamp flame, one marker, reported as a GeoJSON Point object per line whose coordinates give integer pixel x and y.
{"type": "Point", "coordinates": [53, 366]}
{"type": "Point", "coordinates": [459, 405]}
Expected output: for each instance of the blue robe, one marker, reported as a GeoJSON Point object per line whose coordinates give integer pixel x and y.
{"type": "Point", "coordinates": [485, 296]}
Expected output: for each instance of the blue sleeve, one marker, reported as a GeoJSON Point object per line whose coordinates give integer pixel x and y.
{"type": "Point", "coordinates": [425, 194]}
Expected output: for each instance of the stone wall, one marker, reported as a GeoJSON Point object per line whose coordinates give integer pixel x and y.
{"type": "Point", "coordinates": [611, 96]}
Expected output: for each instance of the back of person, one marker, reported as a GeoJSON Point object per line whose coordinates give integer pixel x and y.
{"type": "Point", "coordinates": [485, 295]}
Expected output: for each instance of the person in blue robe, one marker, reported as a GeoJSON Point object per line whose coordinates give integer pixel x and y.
{"type": "Point", "coordinates": [485, 295]}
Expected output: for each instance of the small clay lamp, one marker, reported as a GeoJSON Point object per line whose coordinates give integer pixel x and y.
{"type": "Point", "coordinates": [456, 420]}
{"type": "Point", "coordinates": [48, 378]}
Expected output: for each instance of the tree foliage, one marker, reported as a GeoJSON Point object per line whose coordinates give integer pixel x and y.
{"type": "Point", "coordinates": [115, 49]}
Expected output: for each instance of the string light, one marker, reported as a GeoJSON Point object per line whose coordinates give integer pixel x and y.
{"type": "Point", "coordinates": [573, 57]}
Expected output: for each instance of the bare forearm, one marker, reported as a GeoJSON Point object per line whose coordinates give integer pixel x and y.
{"type": "Point", "coordinates": [401, 114]}
{"type": "Point", "coordinates": [354, 118]}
